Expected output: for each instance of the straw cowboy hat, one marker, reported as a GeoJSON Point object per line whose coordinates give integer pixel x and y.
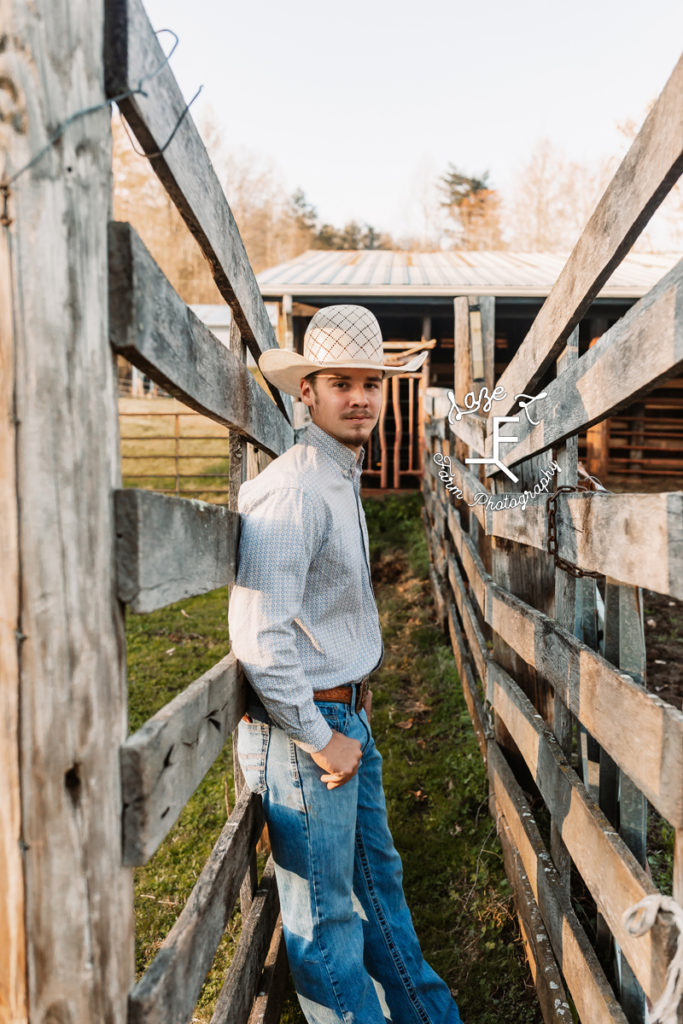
{"type": "Point", "coordinates": [338, 337]}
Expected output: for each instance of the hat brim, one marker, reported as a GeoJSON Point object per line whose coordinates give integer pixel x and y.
{"type": "Point", "coordinates": [285, 369]}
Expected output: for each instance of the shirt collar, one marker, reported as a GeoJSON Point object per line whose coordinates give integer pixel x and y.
{"type": "Point", "coordinates": [343, 456]}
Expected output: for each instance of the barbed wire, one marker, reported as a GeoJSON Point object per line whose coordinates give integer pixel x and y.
{"type": "Point", "coordinates": [7, 182]}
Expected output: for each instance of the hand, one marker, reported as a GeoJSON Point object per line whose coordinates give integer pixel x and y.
{"type": "Point", "coordinates": [339, 759]}
{"type": "Point", "coordinates": [367, 705]}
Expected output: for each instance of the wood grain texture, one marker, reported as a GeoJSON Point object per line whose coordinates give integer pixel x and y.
{"type": "Point", "coordinates": [473, 632]}
{"type": "Point", "coordinates": [165, 760]}
{"type": "Point", "coordinates": [545, 972]}
{"type": "Point", "coordinates": [171, 548]}
{"type": "Point", "coordinates": [156, 331]}
{"type": "Point", "coordinates": [472, 430]}
{"type": "Point", "coordinates": [585, 979]}
{"type": "Point", "coordinates": [268, 1003]}
{"type": "Point", "coordinates": [612, 874]}
{"type": "Point", "coordinates": [651, 167]}
{"type": "Point", "coordinates": [13, 994]}
{"type": "Point", "coordinates": [168, 990]}
{"type": "Point", "coordinates": [476, 574]}
{"type": "Point", "coordinates": [78, 905]}
{"type": "Point", "coordinates": [132, 52]}
{"type": "Point", "coordinates": [241, 984]}
{"type": "Point", "coordinates": [641, 350]}
{"type": "Point", "coordinates": [602, 698]}
{"type": "Point", "coordinates": [475, 705]}
{"type": "Point", "coordinates": [636, 539]}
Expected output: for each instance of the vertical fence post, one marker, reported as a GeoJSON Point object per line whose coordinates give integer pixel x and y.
{"type": "Point", "coordinates": [567, 457]}
{"type": "Point", "coordinates": [71, 668]}
{"type": "Point", "coordinates": [632, 803]}
{"type": "Point", "coordinates": [238, 474]}
{"type": "Point", "coordinates": [176, 432]}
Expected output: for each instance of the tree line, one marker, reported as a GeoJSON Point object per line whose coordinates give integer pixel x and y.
{"type": "Point", "coordinates": [545, 211]}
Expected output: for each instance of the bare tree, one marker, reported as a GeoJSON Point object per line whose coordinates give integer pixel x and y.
{"type": "Point", "coordinates": [140, 199]}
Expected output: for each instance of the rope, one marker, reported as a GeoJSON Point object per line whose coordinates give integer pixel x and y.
{"type": "Point", "coordinates": [638, 920]}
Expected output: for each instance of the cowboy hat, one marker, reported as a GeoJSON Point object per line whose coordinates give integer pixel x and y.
{"type": "Point", "coordinates": [338, 337]}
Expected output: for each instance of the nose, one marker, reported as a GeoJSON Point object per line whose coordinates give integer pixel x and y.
{"type": "Point", "coordinates": [359, 395]}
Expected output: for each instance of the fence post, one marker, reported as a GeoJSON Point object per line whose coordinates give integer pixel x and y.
{"type": "Point", "coordinates": [567, 457]}
{"type": "Point", "coordinates": [70, 675]}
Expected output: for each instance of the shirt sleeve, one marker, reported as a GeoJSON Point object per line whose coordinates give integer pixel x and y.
{"type": "Point", "coordinates": [279, 535]}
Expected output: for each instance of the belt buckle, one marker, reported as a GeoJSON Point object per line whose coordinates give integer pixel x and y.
{"type": "Point", "coordinates": [362, 692]}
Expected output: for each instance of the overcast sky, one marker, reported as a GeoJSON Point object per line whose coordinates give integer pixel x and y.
{"type": "Point", "coordinates": [360, 102]}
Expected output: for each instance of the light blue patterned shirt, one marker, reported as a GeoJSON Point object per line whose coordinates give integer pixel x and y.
{"type": "Point", "coordinates": [302, 614]}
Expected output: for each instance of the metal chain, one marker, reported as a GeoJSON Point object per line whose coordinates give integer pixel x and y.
{"type": "Point", "coordinates": [552, 545]}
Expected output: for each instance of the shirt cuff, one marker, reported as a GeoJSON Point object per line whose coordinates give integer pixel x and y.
{"type": "Point", "coordinates": [316, 736]}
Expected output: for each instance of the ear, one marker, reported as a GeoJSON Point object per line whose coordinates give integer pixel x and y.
{"type": "Point", "coordinates": [306, 390]}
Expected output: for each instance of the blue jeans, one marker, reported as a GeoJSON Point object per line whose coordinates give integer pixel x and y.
{"type": "Point", "coordinates": [351, 944]}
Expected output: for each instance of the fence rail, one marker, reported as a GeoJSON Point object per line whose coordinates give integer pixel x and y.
{"type": "Point", "coordinates": [551, 661]}
{"type": "Point", "coordinates": [81, 800]}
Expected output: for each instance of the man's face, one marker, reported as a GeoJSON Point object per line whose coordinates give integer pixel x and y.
{"type": "Point", "coordinates": [345, 403]}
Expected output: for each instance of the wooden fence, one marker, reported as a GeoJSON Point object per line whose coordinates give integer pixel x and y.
{"type": "Point", "coordinates": [545, 611]}
{"type": "Point", "coordinates": [173, 450]}
{"type": "Point", "coordinates": [81, 801]}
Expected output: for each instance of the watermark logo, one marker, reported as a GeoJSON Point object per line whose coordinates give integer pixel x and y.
{"type": "Point", "coordinates": [483, 401]}
{"type": "Point", "coordinates": [495, 502]}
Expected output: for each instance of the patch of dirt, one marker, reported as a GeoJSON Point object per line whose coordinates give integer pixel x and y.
{"type": "Point", "coordinates": [389, 567]}
{"type": "Point", "coordinates": [664, 645]}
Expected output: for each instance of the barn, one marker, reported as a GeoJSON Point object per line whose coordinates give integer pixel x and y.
{"type": "Point", "coordinates": [413, 296]}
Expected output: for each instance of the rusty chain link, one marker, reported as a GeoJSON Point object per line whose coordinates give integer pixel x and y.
{"type": "Point", "coordinates": [552, 545]}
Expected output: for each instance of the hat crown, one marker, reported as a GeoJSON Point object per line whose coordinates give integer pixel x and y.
{"type": "Point", "coordinates": [343, 332]}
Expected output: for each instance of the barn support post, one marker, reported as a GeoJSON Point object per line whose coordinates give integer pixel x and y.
{"type": "Point", "coordinates": [67, 688]}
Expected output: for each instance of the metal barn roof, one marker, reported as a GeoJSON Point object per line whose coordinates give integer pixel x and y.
{"type": "Point", "coordinates": [378, 272]}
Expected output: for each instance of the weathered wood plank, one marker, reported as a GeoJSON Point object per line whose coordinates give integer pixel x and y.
{"type": "Point", "coordinates": [153, 328]}
{"type": "Point", "coordinates": [633, 538]}
{"type": "Point", "coordinates": [475, 705]}
{"type": "Point", "coordinates": [613, 875]}
{"type": "Point", "coordinates": [241, 984]}
{"type": "Point", "coordinates": [72, 956]}
{"type": "Point", "coordinates": [640, 351]}
{"type": "Point", "coordinates": [589, 989]}
{"type": "Point", "coordinates": [165, 760]}
{"type": "Point", "coordinates": [171, 548]}
{"type": "Point", "coordinates": [544, 970]}
{"type": "Point", "coordinates": [602, 698]}
{"type": "Point", "coordinates": [566, 458]}
{"type": "Point", "coordinates": [471, 429]}
{"type": "Point", "coordinates": [13, 981]}
{"type": "Point", "coordinates": [168, 990]}
{"type": "Point", "coordinates": [268, 1003]}
{"type": "Point", "coordinates": [474, 492]}
{"type": "Point", "coordinates": [647, 173]}
{"type": "Point", "coordinates": [475, 637]}
{"type": "Point", "coordinates": [477, 576]}
{"type": "Point", "coordinates": [133, 52]}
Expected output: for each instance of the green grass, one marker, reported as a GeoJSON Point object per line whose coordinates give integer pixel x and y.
{"type": "Point", "coordinates": [434, 781]}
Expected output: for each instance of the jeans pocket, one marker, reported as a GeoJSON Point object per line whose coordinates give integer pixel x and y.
{"type": "Point", "coordinates": [252, 748]}
{"type": "Point", "coordinates": [332, 715]}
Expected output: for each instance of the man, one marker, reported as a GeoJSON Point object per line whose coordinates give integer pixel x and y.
{"type": "Point", "coordinates": [304, 625]}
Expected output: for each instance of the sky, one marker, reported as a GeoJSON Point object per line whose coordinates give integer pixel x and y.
{"type": "Point", "coordinates": [361, 103]}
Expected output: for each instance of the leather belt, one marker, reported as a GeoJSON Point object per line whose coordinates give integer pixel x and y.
{"type": "Point", "coordinates": [342, 694]}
